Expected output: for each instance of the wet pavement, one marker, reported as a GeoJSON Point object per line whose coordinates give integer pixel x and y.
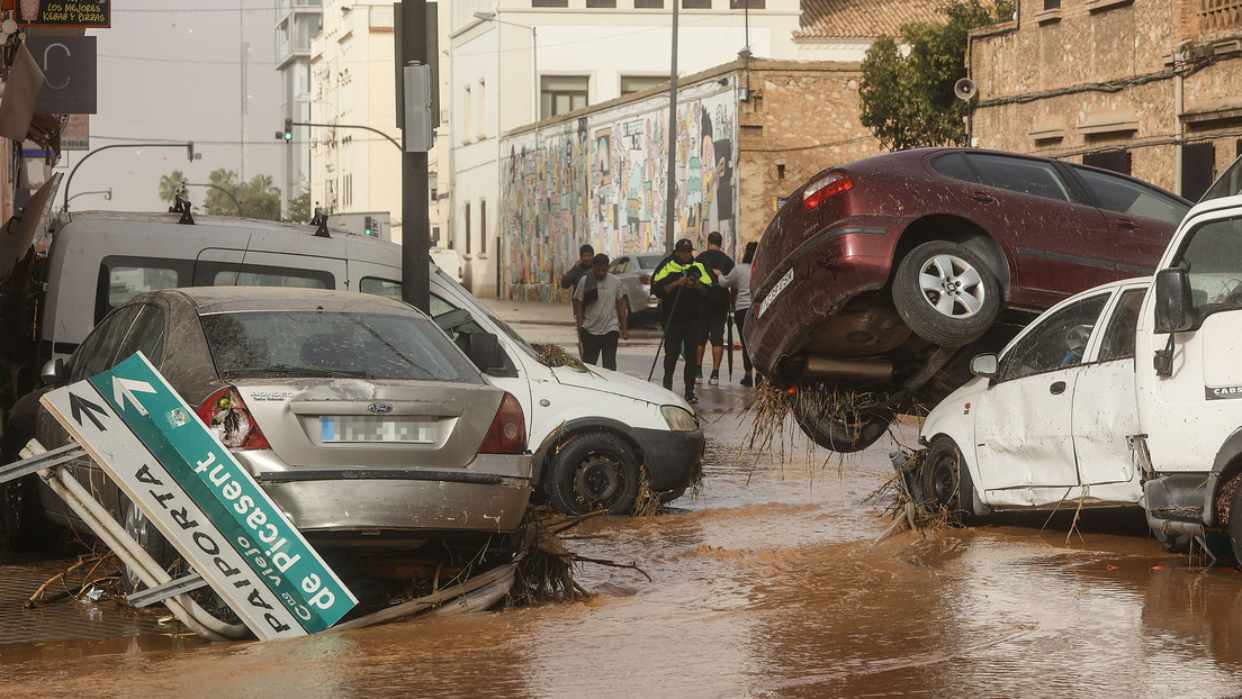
{"type": "Point", "coordinates": [768, 584]}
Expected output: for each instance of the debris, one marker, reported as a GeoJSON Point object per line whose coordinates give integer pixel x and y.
{"type": "Point", "coordinates": [557, 356]}
{"type": "Point", "coordinates": [94, 594]}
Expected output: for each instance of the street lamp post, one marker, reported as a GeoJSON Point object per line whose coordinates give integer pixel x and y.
{"type": "Point", "coordinates": [218, 188]}
{"type": "Point", "coordinates": [106, 192]}
{"type": "Point", "coordinates": [188, 145]}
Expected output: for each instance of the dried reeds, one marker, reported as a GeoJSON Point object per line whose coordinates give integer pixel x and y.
{"type": "Point", "coordinates": [557, 356]}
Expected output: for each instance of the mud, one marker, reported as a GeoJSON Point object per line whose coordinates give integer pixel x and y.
{"type": "Point", "coordinates": [767, 585]}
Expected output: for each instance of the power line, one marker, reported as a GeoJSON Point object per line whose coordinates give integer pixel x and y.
{"type": "Point", "coordinates": [220, 142]}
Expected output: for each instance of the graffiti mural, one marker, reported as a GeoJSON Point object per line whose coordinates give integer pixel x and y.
{"type": "Point", "coordinates": [603, 180]}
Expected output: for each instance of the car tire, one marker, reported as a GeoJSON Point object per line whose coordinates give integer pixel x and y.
{"type": "Point", "coordinates": [593, 471]}
{"type": "Point", "coordinates": [943, 483]}
{"type": "Point", "coordinates": [1235, 526]}
{"type": "Point", "coordinates": [838, 434]}
{"type": "Point", "coordinates": [946, 294]}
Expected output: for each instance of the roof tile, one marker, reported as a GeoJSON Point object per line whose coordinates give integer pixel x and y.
{"type": "Point", "coordinates": [863, 19]}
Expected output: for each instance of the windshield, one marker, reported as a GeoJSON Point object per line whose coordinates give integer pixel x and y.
{"type": "Point", "coordinates": [334, 344]}
{"type": "Point", "coordinates": [1229, 184]}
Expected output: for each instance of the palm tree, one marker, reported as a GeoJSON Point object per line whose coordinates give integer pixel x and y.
{"type": "Point", "coordinates": [171, 185]}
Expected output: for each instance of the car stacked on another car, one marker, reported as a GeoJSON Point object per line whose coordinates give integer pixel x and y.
{"type": "Point", "coordinates": [874, 275]}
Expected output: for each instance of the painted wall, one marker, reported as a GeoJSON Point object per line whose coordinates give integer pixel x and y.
{"type": "Point", "coordinates": [602, 179]}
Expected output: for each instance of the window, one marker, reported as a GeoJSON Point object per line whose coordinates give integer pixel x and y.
{"type": "Point", "coordinates": [396, 346]}
{"type": "Point", "coordinates": [618, 265]}
{"type": "Point", "coordinates": [1058, 342]}
{"type": "Point", "coordinates": [468, 231]}
{"type": "Point", "coordinates": [1198, 169]}
{"type": "Point", "coordinates": [232, 274]}
{"type": "Point", "coordinates": [96, 352]}
{"type": "Point", "coordinates": [1052, 4]}
{"type": "Point", "coordinates": [1115, 160]}
{"type": "Point", "coordinates": [1213, 255]}
{"type": "Point", "coordinates": [146, 335]}
{"type": "Point", "coordinates": [482, 109]}
{"type": "Point", "coordinates": [380, 287]}
{"type": "Point", "coordinates": [549, 3]}
{"type": "Point", "coordinates": [439, 306]}
{"type": "Point", "coordinates": [741, 4]}
{"type": "Point", "coordinates": [1020, 175]}
{"type": "Point", "coordinates": [435, 235]}
{"type": "Point", "coordinates": [1119, 338]}
{"type": "Point", "coordinates": [465, 116]}
{"type": "Point", "coordinates": [648, 4]}
{"type": "Point", "coordinates": [954, 165]}
{"type": "Point", "coordinates": [122, 278]}
{"type": "Point", "coordinates": [483, 227]}
{"type": "Point", "coordinates": [601, 4]}
{"type": "Point", "coordinates": [1230, 183]}
{"type": "Point", "coordinates": [638, 83]}
{"type": "Point", "coordinates": [1124, 196]}
{"type": "Point", "coordinates": [563, 94]}
{"type": "Point", "coordinates": [696, 4]}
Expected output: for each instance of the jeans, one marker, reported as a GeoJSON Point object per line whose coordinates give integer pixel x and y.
{"type": "Point", "coordinates": [681, 339]}
{"type": "Point", "coordinates": [593, 345]}
{"type": "Point", "coordinates": [739, 319]}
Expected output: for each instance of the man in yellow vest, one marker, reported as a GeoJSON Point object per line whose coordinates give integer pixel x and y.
{"type": "Point", "coordinates": [681, 285]}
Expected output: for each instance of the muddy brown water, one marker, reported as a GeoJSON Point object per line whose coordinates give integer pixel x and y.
{"type": "Point", "coordinates": [767, 585]}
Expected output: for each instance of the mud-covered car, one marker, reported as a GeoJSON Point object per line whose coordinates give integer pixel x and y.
{"type": "Point", "coordinates": [873, 277]}
{"type": "Point", "coordinates": [358, 415]}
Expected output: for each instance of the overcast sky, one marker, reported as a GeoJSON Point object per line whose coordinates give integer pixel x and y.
{"type": "Point", "coordinates": [171, 69]}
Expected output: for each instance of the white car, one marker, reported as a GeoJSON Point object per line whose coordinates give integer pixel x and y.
{"type": "Point", "coordinates": [1046, 422]}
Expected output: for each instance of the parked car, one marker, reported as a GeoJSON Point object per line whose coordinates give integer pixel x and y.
{"type": "Point", "coordinates": [875, 274]}
{"type": "Point", "coordinates": [615, 424]}
{"type": "Point", "coordinates": [1048, 420]}
{"type": "Point", "coordinates": [635, 272]}
{"type": "Point", "coordinates": [359, 417]}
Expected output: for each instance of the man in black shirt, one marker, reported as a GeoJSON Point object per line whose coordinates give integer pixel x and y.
{"type": "Point", "coordinates": [586, 257]}
{"type": "Point", "coordinates": [716, 303]}
{"type": "Point", "coordinates": [681, 285]}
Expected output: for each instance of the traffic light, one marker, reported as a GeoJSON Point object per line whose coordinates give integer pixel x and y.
{"type": "Point", "coordinates": [368, 227]}
{"type": "Point", "coordinates": [287, 134]}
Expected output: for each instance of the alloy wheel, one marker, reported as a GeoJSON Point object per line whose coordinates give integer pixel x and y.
{"type": "Point", "coordinates": [952, 286]}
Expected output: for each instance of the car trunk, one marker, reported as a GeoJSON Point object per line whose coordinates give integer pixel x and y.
{"type": "Point", "coordinates": [368, 424]}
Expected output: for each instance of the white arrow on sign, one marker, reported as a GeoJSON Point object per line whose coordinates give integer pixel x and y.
{"type": "Point", "coordinates": [123, 389]}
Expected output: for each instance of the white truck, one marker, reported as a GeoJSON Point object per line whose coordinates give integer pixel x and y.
{"type": "Point", "coordinates": [1129, 394]}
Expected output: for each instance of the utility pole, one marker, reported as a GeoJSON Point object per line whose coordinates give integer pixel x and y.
{"type": "Point", "coordinates": [670, 196]}
{"type": "Point", "coordinates": [415, 216]}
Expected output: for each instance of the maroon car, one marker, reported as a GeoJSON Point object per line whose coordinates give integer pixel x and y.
{"type": "Point", "coordinates": [875, 275]}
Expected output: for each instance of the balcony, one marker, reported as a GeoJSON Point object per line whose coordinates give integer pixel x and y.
{"type": "Point", "coordinates": [293, 36]}
{"type": "Point", "coordinates": [1217, 16]}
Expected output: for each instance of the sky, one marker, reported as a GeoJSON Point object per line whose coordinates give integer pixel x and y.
{"type": "Point", "coordinates": [171, 70]}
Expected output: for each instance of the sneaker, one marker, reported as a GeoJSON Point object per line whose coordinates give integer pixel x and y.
{"type": "Point", "coordinates": [698, 377]}
{"type": "Point", "coordinates": [690, 397]}
{"type": "Point", "coordinates": [747, 382]}
{"type": "Point", "coordinates": [715, 379]}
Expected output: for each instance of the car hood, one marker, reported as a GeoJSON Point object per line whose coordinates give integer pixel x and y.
{"type": "Point", "coordinates": [620, 384]}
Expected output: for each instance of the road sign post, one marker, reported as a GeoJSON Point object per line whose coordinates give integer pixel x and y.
{"type": "Point", "coordinates": [153, 445]}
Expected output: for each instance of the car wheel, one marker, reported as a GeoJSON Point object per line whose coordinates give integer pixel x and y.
{"type": "Point", "coordinates": [1173, 543]}
{"type": "Point", "coordinates": [942, 482]}
{"type": "Point", "coordinates": [594, 471]}
{"type": "Point", "coordinates": [1235, 526]}
{"type": "Point", "coordinates": [842, 434]}
{"type": "Point", "coordinates": [946, 294]}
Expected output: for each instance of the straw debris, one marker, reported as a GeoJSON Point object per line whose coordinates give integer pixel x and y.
{"type": "Point", "coordinates": [557, 356]}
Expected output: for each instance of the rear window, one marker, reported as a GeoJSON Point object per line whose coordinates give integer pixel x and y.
{"type": "Point", "coordinates": [649, 261]}
{"type": "Point", "coordinates": [334, 344]}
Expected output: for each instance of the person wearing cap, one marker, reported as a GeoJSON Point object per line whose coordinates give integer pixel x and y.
{"type": "Point", "coordinates": [681, 284]}
{"type": "Point", "coordinates": [599, 310]}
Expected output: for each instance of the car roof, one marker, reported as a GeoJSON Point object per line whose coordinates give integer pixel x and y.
{"type": "Point", "coordinates": [240, 299]}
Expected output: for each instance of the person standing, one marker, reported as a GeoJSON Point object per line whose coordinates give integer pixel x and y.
{"type": "Point", "coordinates": [738, 284]}
{"type": "Point", "coordinates": [715, 305]}
{"type": "Point", "coordinates": [586, 257]}
{"type": "Point", "coordinates": [681, 284]}
{"type": "Point", "coordinates": [599, 311]}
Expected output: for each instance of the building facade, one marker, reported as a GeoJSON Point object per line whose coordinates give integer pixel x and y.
{"type": "Point", "coordinates": [599, 175]}
{"type": "Point", "coordinates": [296, 22]}
{"type": "Point", "coordinates": [1152, 88]}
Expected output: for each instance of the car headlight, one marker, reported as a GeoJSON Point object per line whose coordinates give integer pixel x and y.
{"type": "Point", "coordinates": [679, 419]}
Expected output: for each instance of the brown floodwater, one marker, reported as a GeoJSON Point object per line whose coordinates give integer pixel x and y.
{"type": "Point", "coordinates": [766, 585]}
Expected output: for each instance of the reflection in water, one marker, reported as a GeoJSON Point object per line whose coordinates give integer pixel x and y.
{"type": "Point", "coordinates": [767, 586]}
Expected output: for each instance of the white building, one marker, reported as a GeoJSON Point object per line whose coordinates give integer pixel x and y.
{"type": "Point", "coordinates": [517, 61]}
{"type": "Point", "coordinates": [296, 22]}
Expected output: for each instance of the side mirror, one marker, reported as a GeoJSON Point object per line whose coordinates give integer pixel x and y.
{"type": "Point", "coordinates": [1175, 310]}
{"type": "Point", "coordinates": [985, 366]}
{"type": "Point", "coordinates": [484, 350]}
{"type": "Point", "coordinates": [53, 372]}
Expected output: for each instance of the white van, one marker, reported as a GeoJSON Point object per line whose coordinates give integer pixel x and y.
{"type": "Point", "coordinates": [595, 434]}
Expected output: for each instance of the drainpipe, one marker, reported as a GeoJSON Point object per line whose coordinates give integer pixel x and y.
{"type": "Point", "coordinates": [1179, 104]}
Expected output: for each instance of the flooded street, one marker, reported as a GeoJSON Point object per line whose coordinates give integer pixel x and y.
{"type": "Point", "coordinates": [767, 584]}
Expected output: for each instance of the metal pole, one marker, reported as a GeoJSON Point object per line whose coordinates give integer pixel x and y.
{"type": "Point", "coordinates": [189, 145]}
{"type": "Point", "coordinates": [670, 196]}
{"type": "Point", "coordinates": [534, 47]}
{"type": "Point", "coordinates": [415, 216]}
{"type": "Point", "coordinates": [391, 140]}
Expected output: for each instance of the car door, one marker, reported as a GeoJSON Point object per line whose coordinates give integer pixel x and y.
{"type": "Point", "coordinates": [1105, 411]}
{"type": "Point", "coordinates": [1137, 221]}
{"type": "Point", "coordinates": [1036, 213]}
{"type": "Point", "coordinates": [1023, 423]}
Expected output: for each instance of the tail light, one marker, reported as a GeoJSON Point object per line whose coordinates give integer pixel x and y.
{"type": "Point", "coordinates": [507, 435]}
{"type": "Point", "coordinates": [645, 279]}
{"type": "Point", "coordinates": [226, 415]}
{"type": "Point", "coordinates": [825, 188]}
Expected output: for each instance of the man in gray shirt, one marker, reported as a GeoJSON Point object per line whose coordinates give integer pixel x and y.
{"type": "Point", "coordinates": [599, 309]}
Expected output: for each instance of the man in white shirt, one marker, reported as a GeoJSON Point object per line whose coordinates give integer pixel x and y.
{"type": "Point", "coordinates": [599, 309]}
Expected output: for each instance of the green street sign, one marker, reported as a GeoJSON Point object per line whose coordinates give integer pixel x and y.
{"type": "Point", "coordinates": [226, 493]}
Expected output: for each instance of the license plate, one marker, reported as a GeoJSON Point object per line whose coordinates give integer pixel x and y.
{"type": "Point", "coordinates": [366, 429]}
{"type": "Point", "coordinates": [781, 285]}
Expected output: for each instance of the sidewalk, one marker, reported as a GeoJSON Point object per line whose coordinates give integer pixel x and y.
{"type": "Point", "coordinates": [530, 312]}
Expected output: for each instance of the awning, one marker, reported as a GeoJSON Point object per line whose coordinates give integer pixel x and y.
{"type": "Point", "coordinates": [18, 234]}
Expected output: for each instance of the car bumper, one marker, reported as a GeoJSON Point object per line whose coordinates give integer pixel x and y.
{"type": "Point", "coordinates": [673, 459]}
{"type": "Point", "coordinates": [488, 496]}
{"type": "Point", "coordinates": [828, 271]}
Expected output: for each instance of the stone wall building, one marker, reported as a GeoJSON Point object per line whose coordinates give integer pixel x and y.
{"type": "Point", "coordinates": [1152, 88]}
{"type": "Point", "coordinates": [748, 133]}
